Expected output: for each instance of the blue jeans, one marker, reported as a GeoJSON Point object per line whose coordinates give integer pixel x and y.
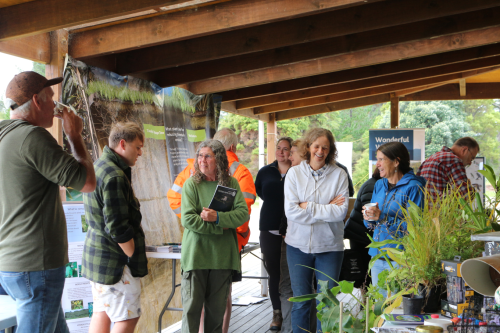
{"type": "Point", "coordinates": [379, 267]}
{"type": "Point", "coordinates": [328, 263]}
{"type": "Point", "coordinates": [38, 299]}
{"type": "Point", "coordinates": [3, 293]}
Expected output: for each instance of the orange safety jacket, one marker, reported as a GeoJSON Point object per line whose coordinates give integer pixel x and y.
{"type": "Point", "coordinates": [238, 171]}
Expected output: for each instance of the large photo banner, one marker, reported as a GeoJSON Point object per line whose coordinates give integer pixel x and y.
{"type": "Point", "coordinates": [174, 122]}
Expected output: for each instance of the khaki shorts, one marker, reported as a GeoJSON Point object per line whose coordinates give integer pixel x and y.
{"type": "Point", "coordinates": [120, 301]}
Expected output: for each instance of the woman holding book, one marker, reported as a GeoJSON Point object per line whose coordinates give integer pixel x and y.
{"type": "Point", "coordinates": [209, 245]}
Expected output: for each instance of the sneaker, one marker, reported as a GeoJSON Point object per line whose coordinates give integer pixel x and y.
{"type": "Point", "coordinates": [277, 320]}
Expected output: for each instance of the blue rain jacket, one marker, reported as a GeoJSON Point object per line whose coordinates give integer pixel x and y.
{"type": "Point", "coordinates": [391, 202]}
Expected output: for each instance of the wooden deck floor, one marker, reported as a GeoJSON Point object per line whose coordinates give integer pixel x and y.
{"type": "Point", "coordinates": [254, 318]}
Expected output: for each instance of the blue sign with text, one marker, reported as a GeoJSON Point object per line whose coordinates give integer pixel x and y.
{"type": "Point", "coordinates": [405, 136]}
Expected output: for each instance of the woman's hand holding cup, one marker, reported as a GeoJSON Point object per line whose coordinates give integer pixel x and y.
{"type": "Point", "coordinates": [371, 212]}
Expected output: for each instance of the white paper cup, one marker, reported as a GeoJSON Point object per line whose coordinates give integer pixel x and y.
{"type": "Point", "coordinates": [370, 205]}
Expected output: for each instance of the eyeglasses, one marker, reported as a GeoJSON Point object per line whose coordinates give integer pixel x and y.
{"type": "Point", "coordinates": [207, 157]}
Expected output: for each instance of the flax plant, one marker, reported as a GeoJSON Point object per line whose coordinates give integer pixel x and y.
{"type": "Point", "coordinates": [438, 231]}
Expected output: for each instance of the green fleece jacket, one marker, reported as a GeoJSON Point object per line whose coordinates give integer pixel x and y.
{"type": "Point", "coordinates": [206, 245]}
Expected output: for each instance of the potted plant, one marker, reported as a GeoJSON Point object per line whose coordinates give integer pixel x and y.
{"type": "Point", "coordinates": [438, 231]}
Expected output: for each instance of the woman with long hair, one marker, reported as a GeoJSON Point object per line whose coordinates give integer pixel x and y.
{"type": "Point", "coordinates": [398, 185]}
{"type": "Point", "coordinates": [209, 244]}
{"type": "Point", "coordinates": [315, 230]}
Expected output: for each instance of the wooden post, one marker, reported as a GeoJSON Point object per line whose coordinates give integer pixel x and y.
{"type": "Point", "coordinates": [271, 138]}
{"type": "Point", "coordinates": [58, 51]}
{"type": "Point", "coordinates": [394, 111]}
{"type": "Point", "coordinates": [461, 83]}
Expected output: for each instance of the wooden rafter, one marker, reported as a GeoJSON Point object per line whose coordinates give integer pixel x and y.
{"type": "Point", "coordinates": [348, 61]}
{"type": "Point", "coordinates": [348, 75]}
{"type": "Point", "coordinates": [190, 24]}
{"type": "Point", "coordinates": [284, 33]}
{"type": "Point", "coordinates": [326, 47]}
{"type": "Point", "coordinates": [330, 107]}
{"type": "Point", "coordinates": [35, 48]}
{"type": "Point", "coordinates": [365, 92]}
{"type": "Point", "coordinates": [230, 107]}
{"type": "Point", "coordinates": [370, 82]}
{"type": "Point", "coordinates": [452, 92]}
{"type": "Point", "coordinates": [48, 15]}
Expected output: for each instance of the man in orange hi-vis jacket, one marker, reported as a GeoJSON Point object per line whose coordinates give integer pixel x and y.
{"type": "Point", "coordinates": [247, 186]}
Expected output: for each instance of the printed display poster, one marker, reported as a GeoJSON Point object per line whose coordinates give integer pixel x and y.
{"type": "Point", "coordinates": [477, 180]}
{"type": "Point", "coordinates": [189, 119]}
{"type": "Point", "coordinates": [412, 138]}
{"type": "Point", "coordinates": [174, 117]}
{"type": "Point", "coordinates": [77, 302]}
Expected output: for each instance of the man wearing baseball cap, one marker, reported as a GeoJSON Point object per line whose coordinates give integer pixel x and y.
{"type": "Point", "coordinates": [33, 237]}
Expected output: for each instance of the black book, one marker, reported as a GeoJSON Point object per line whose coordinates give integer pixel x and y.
{"type": "Point", "coordinates": [223, 199]}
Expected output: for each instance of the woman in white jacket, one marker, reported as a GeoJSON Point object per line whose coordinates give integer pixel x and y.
{"type": "Point", "coordinates": [315, 230]}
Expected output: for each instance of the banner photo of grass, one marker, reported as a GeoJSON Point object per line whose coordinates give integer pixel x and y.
{"type": "Point", "coordinates": [102, 98]}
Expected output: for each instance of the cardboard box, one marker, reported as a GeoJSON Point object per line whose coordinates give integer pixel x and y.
{"type": "Point", "coordinates": [452, 310]}
{"type": "Point", "coordinates": [451, 267]}
{"type": "Point", "coordinates": [491, 248]}
{"type": "Point", "coordinates": [455, 290]}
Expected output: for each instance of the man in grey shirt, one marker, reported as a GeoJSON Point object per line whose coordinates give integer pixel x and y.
{"type": "Point", "coordinates": [33, 237]}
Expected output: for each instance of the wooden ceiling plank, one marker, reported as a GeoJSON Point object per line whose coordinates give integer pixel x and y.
{"type": "Point", "coordinates": [331, 107]}
{"type": "Point", "coordinates": [35, 48]}
{"type": "Point", "coordinates": [351, 60]}
{"type": "Point", "coordinates": [285, 33]}
{"type": "Point", "coordinates": [47, 15]}
{"type": "Point", "coordinates": [369, 82]}
{"type": "Point", "coordinates": [190, 24]}
{"type": "Point", "coordinates": [231, 108]}
{"type": "Point", "coordinates": [326, 47]}
{"type": "Point", "coordinates": [363, 92]}
{"type": "Point", "coordinates": [404, 92]}
{"type": "Point", "coordinates": [452, 92]}
{"type": "Point", "coordinates": [348, 75]}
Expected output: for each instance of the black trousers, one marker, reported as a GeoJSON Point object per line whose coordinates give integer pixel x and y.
{"type": "Point", "coordinates": [270, 246]}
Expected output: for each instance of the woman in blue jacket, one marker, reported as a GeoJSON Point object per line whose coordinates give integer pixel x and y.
{"type": "Point", "coordinates": [392, 193]}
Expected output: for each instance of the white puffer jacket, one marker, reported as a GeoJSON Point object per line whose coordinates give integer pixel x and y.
{"type": "Point", "coordinates": [320, 227]}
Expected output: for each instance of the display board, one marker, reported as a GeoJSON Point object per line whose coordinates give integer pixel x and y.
{"type": "Point", "coordinates": [76, 300]}
{"type": "Point", "coordinates": [412, 138]}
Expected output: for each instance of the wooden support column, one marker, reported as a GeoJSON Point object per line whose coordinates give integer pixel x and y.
{"type": "Point", "coordinates": [461, 83]}
{"type": "Point", "coordinates": [58, 51]}
{"type": "Point", "coordinates": [394, 111]}
{"type": "Point", "coordinates": [272, 132]}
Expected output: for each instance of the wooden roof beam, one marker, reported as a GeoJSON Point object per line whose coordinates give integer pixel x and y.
{"type": "Point", "coordinates": [35, 48]}
{"type": "Point", "coordinates": [326, 47]}
{"type": "Point", "coordinates": [330, 107]}
{"type": "Point", "coordinates": [285, 33]}
{"type": "Point", "coordinates": [370, 82]}
{"type": "Point", "coordinates": [231, 108]}
{"type": "Point", "coordinates": [360, 73]}
{"type": "Point", "coordinates": [452, 92]}
{"type": "Point", "coordinates": [190, 24]}
{"type": "Point", "coordinates": [347, 61]}
{"type": "Point", "coordinates": [39, 16]}
{"type": "Point", "coordinates": [365, 92]}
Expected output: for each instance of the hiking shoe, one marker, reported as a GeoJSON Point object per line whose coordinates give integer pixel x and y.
{"type": "Point", "coordinates": [277, 320]}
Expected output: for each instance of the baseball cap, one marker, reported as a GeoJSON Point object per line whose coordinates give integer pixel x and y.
{"type": "Point", "coordinates": [26, 84]}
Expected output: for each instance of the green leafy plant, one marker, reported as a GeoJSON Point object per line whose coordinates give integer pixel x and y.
{"type": "Point", "coordinates": [353, 317]}
{"type": "Point", "coordinates": [438, 231]}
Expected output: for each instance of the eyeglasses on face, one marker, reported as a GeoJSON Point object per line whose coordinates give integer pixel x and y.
{"type": "Point", "coordinates": [207, 156]}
